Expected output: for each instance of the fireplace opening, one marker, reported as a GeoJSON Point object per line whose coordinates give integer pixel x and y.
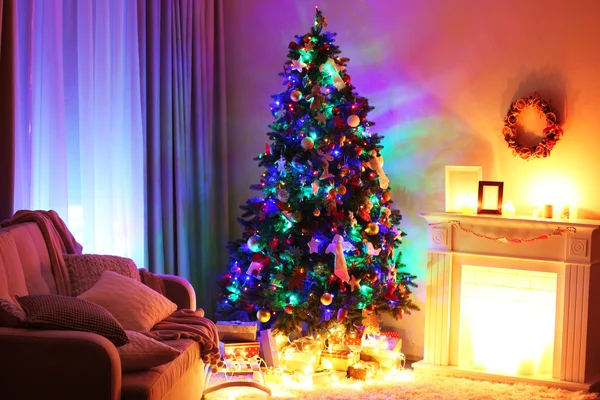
{"type": "Point", "coordinates": [507, 320]}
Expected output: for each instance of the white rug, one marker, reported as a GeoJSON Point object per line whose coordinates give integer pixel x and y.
{"type": "Point", "coordinates": [422, 387]}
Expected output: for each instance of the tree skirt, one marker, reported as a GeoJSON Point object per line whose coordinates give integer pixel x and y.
{"type": "Point", "coordinates": [423, 387]}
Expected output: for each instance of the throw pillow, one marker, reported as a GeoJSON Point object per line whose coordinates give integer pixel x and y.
{"type": "Point", "coordinates": [142, 353]}
{"type": "Point", "coordinates": [11, 316]}
{"type": "Point", "coordinates": [50, 311]}
{"type": "Point", "coordinates": [133, 304]}
{"type": "Point", "coordinates": [86, 269]}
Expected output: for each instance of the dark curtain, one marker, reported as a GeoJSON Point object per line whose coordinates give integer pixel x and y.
{"type": "Point", "coordinates": [6, 110]}
{"type": "Point", "coordinates": [183, 96]}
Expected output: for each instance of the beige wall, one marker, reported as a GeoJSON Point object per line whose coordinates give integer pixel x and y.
{"type": "Point", "coordinates": [441, 74]}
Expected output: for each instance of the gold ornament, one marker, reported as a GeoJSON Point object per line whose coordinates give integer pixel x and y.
{"type": "Point", "coordinates": [341, 189]}
{"type": "Point", "coordinates": [326, 299]}
{"type": "Point", "coordinates": [345, 170]}
{"type": "Point", "coordinates": [263, 315]}
{"type": "Point", "coordinates": [307, 143]}
{"type": "Point", "coordinates": [317, 212]}
{"type": "Point", "coordinates": [372, 229]}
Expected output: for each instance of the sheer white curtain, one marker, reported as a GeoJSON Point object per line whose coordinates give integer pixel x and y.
{"type": "Point", "coordinates": [79, 146]}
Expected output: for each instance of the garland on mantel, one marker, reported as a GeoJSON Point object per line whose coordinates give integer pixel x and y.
{"type": "Point", "coordinates": [557, 232]}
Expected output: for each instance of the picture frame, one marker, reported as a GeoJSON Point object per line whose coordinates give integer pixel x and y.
{"type": "Point", "coordinates": [461, 187]}
{"type": "Point", "coordinates": [489, 197]}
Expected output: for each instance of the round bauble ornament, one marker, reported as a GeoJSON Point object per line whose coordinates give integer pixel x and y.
{"type": "Point", "coordinates": [386, 196]}
{"type": "Point", "coordinates": [289, 309]}
{"type": "Point", "coordinates": [332, 192]}
{"type": "Point", "coordinates": [358, 150]}
{"type": "Point", "coordinates": [341, 190]}
{"type": "Point", "coordinates": [253, 243]}
{"type": "Point", "coordinates": [297, 216]}
{"type": "Point", "coordinates": [307, 143]}
{"type": "Point", "coordinates": [370, 308]}
{"type": "Point", "coordinates": [342, 314]}
{"type": "Point", "coordinates": [263, 315]}
{"type": "Point", "coordinates": [353, 121]}
{"type": "Point", "coordinates": [335, 110]}
{"type": "Point", "coordinates": [317, 212]}
{"type": "Point", "coordinates": [342, 287]}
{"type": "Point", "coordinates": [372, 229]}
{"type": "Point", "coordinates": [296, 95]}
{"type": "Point", "coordinates": [326, 299]}
{"type": "Point", "coordinates": [290, 240]}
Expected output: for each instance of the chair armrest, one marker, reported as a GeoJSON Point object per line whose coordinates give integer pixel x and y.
{"type": "Point", "coordinates": [179, 291]}
{"type": "Point", "coordinates": [44, 364]}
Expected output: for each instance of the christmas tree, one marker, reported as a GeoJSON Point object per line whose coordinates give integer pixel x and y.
{"type": "Point", "coordinates": [321, 242]}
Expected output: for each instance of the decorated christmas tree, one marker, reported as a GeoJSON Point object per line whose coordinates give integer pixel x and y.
{"type": "Point", "coordinates": [321, 241]}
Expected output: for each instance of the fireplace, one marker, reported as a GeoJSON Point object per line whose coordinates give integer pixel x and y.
{"type": "Point", "coordinates": [513, 299]}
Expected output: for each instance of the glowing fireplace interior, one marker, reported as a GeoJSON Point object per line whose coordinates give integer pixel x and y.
{"type": "Point", "coordinates": [507, 320]}
{"type": "Point", "coordinates": [512, 300]}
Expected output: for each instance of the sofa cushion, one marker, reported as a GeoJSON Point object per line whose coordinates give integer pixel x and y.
{"type": "Point", "coordinates": [133, 304]}
{"type": "Point", "coordinates": [11, 315]}
{"type": "Point", "coordinates": [86, 269]}
{"type": "Point", "coordinates": [156, 382]}
{"type": "Point", "coordinates": [142, 353]}
{"type": "Point", "coordinates": [50, 311]}
{"type": "Point", "coordinates": [12, 279]}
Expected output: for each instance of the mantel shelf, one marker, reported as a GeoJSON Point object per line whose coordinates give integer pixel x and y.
{"type": "Point", "coordinates": [439, 216]}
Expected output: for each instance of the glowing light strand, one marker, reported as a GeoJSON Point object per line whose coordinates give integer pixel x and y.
{"type": "Point", "coordinates": [557, 232]}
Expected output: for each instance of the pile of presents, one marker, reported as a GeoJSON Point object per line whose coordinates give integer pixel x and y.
{"type": "Point", "coordinates": [360, 354]}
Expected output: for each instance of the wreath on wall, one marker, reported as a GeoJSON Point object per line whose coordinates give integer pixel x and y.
{"type": "Point", "coordinates": [550, 135]}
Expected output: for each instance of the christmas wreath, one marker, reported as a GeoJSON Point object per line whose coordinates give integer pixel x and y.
{"type": "Point", "coordinates": [550, 135]}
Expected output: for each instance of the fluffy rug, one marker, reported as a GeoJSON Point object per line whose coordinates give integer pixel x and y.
{"type": "Point", "coordinates": [412, 386]}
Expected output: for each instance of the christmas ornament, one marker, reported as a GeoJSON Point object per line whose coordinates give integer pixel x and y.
{"type": "Point", "coordinates": [370, 308]}
{"type": "Point", "coordinates": [337, 247]}
{"type": "Point", "coordinates": [315, 187]}
{"type": "Point", "coordinates": [372, 251]}
{"type": "Point", "coordinates": [326, 157]}
{"type": "Point", "coordinates": [297, 278]}
{"type": "Point", "coordinates": [321, 118]}
{"type": "Point", "coordinates": [253, 243]}
{"type": "Point", "coordinates": [289, 309]}
{"type": "Point", "coordinates": [281, 164]}
{"type": "Point", "coordinates": [313, 245]}
{"type": "Point", "coordinates": [341, 190]}
{"type": "Point", "coordinates": [344, 171]}
{"type": "Point", "coordinates": [307, 143]}
{"type": "Point", "coordinates": [332, 69]}
{"type": "Point", "coordinates": [386, 196]}
{"type": "Point", "coordinates": [354, 283]}
{"type": "Point", "coordinates": [296, 95]}
{"type": "Point", "coordinates": [342, 314]}
{"type": "Point", "coordinates": [297, 216]}
{"type": "Point", "coordinates": [358, 150]}
{"type": "Point", "coordinates": [376, 164]}
{"type": "Point", "coordinates": [389, 292]}
{"type": "Point", "coordinates": [315, 97]}
{"type": "Point", "coordinates": [263, 315]}
{"type": "Point", "coordinates": [342, 288]}
{"type": "Point", "coordinates": [255, 269]}
{"type": "Point", "coordinates": [317, 212]}
{"type": "Point", "coordinates": [384, 217]}
{"type": "Point", "coordinates": [372, 229]}
{"type": "Point", "coordinates": [326, 299]}
{"type": "Point", "coordinates": [353, 121]}
{"type": "Point", "coordinates": [298, 65]}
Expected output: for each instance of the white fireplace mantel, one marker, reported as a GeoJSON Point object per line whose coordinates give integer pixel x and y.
{"type": "Point", "coordinates": [521, 243]}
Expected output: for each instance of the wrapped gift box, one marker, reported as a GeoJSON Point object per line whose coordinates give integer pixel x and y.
{"type": "Point", "coordinates": [268, 348]}
{"type": "Point", "coordinates": [237, 331]}
{"type": "Point", "coordinates": [338, 360]}
{"type": "Point", "coordinates": [234, 350]}
{"type": "Point", "coordinates": [389, 333]}
{"type": "Point", "coordinates": [385, 350]}
{"type": "Point", "coordinates": [352, 342]}
{"type": "Point", "coordinates": [303, 355]}
{"type": "Point", "coordinates": [363, 370]}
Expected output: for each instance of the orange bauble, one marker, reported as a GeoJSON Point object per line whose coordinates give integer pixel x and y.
{"type": "Point", "coordinates": [326, 299]}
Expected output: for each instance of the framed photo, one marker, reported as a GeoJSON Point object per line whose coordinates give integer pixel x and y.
{"type": "Point", "coordinates": [490, 197]}
{"type": "Point", "coordinates": [461, 187]}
